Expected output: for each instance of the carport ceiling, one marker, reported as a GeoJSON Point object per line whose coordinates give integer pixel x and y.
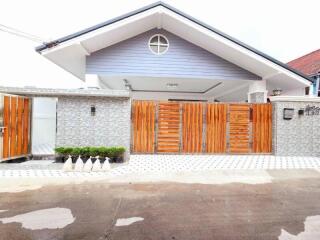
{"type": "Point", "coordinates": [205, 87]}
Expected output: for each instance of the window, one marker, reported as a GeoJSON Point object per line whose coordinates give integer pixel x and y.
{"type": "Point", "coordinates": [158, 44]}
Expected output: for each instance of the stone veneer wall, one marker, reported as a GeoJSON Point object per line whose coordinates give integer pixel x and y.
{"type": "Point", "coordinates": [299, 136]}
{"type": "Point", "coordinates": [109, 127]}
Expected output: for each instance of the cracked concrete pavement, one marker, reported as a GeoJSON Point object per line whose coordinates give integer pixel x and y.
{"type": "Point", "coordinates": [285, 207]}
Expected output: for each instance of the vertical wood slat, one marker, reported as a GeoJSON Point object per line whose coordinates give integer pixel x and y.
{"type": "Point", "coordinates": [13, 126]}
{"type": "Point", "coordinates": [25, 125]}
{"type": "Point", "coordinates": [6, 124]}
{"type": "Point", "coordinates": [20, 126]}
{"type": "Point", "coordinates": [16, 120]}
{"type": "Point", "coordinates": [192, 124]}
{"type": "Point", "coordinates": [168, 137]}
{"type": "Point", "coordinates": [174, 128]}
{"type": "Point", "coordinates": [262, 128]}
{"type": "Point", "coordinates": [143, 126]}
{"type": "Point", "coordinates": [239, 118]}
{"type": "Point", "coordinates": [216, 141]}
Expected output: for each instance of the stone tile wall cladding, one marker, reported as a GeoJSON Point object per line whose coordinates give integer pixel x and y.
{"type": "Point", "coordinates": [299, 136]}
{"type": "Point", "coordinates": [109, 127]}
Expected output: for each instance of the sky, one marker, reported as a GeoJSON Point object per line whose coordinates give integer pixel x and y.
{"type": "Point", "coordinates": [283, 29]}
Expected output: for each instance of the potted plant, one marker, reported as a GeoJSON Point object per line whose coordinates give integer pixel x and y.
{"type": "Point", "coordinates": [62, 153]}
{"type": "Point", "coordinates": [115, 154]}
{"type": "Point", "coordinates": [59, 154]}
{"type": "Point", "coordinates": [119, 154]}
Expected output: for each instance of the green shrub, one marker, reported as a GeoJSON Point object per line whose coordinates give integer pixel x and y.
{"type": "Point", "coordinates": [117, 151]}
{"type": "Point", "coordinates": [103, 152]}
{"type": "Point", "coordinates": [68, 150]}
{"type": "Point", "coordinates": [59, 150]}
{"type": "Point", "coordinates": [76, 151]}
{"type": "Point", "coordinates": [64, 150]}
{"type": "Point", "coordinates": [85, 151]}
{"type": "Point", "coordinates": [93, 151]}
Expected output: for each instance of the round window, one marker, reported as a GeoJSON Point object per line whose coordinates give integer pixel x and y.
{"type": "Point", "coordinates": [158, 44]}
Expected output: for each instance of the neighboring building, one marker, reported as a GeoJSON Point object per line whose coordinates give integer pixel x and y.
{"type": "Point", "coordinates": [154, 76]}
{"type": "Point", "coordinates": [309, 65]}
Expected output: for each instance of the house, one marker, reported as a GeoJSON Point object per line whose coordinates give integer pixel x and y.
{"type": "Point", "coordinates": [160, 81]}
{"type": "Point", "coordinates": [309, 65]}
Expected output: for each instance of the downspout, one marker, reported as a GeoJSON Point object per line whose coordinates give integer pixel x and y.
{"type": "Point", "coordinates": [317, 85]}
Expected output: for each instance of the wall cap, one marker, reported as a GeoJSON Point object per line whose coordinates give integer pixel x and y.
{"type": "Point", "coordinates": [294, 99]}
{"type": "Point", "coordinates": [55, 92]}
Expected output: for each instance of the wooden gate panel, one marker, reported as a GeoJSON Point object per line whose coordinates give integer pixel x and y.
{"type": "Point", "coordinates": [16, 120]}
{"type": "Point", "coordinates": [168, 136]}
{"type": "Point", "coordinates": [216, 128]}
{"type": "Point", "coordinates": [143, 120]}
{"type": "Point", "coordinates": [6, 124]}
{"type": "Point", "coordinates": [192, 124]}
{"type": "Point", "coordinates": [20, 125]}
{"type": "Point", "coordinates": [13, 126]}
{"type": "Point", "coordinates": [180, 126]}
{"type": "Point", "coordinates": [239, 118]}
{"type": "Point", "coordinates": [262, 128]}
{"type": "Point", "coordinates": [25, 125]}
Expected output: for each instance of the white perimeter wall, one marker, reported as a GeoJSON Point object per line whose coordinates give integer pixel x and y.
{"type": "Point", "coordinates": [43, 125]}
{"type": "Point", "coordinates": [294, 92]}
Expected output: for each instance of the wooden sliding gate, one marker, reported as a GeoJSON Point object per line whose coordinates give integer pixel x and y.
{"type": "Point", "coordinates": [192, 127]}
{"type": "Point", "coordinates": [14, 126]}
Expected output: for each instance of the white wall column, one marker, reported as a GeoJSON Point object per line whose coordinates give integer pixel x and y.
{"type": "Point", "coordinates": [257, 92]}
{"type": "Point", "coordinates": [93, 81]}
{"type": "Point", "coordinates": [43, 132]}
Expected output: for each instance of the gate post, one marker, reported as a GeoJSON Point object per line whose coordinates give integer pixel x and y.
{"type": "Point", "coordinates": [257, 92]}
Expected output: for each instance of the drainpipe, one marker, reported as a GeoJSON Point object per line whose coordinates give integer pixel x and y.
{"type": "Point", "coordinates": [317, 85]}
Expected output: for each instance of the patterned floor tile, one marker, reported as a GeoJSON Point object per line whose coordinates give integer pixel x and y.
{"type": "Point", "coordinates": [169, 163]}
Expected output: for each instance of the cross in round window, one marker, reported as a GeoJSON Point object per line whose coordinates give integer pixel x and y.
{"type": "Point", "coordinates": [158, 44]}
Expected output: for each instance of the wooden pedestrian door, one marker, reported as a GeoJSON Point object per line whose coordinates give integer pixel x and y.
{"type": "Point", "coordinates": [14, 126]}
{"type": "Point", "coordinates": [193, 127]}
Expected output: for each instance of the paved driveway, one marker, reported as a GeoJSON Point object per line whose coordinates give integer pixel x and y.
{"type": "Point", "coordinates": [149, 164]}
{"type": "Point", "coordinates": [286, 208]}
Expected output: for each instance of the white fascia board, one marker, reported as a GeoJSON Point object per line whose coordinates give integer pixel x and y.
{"type": "Point", "coordinates": [103, 30]}
{"type": "Point", "coordinates": [83, 49]}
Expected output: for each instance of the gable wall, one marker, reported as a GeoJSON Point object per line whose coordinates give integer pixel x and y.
{"type": "Point", "coordinates": [132, 57]}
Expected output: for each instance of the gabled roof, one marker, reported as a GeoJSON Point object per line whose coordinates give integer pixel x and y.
{"type": "Point", "coordinates": [202, 35]}
{"type": "Point", "coordinates": [308, 64]}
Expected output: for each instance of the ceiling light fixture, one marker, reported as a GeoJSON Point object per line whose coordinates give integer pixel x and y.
{"type": "Point", "coordinates": [172, 86]}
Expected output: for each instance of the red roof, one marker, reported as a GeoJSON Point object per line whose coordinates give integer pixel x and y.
{"type": "Point", "coordinates": [308, 64]}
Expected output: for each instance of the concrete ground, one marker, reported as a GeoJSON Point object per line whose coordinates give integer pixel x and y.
{"type": "Point", "coordinates": [266, 204]}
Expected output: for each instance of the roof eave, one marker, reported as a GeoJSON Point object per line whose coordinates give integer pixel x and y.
{"type": "Point", "coordinates": [53, 43]}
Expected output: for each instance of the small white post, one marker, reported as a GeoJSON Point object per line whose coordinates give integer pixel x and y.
{"type": "Point", "coordinates": [67, 166]}
{"type": "Point", "coordinates": [97, 165]}
{"type": "Point", "coordinates": [79, 165]}
{"type": "Point", "coordinates": [88, 165]}
{"type": "Point", "coordinates": [106, 165]}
